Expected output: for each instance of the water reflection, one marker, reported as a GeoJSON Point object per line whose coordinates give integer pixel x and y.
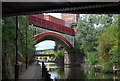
{"type": "Point", "coordinates": [76, 72]}
{"type": "Point", "coordinates": [73, 72]}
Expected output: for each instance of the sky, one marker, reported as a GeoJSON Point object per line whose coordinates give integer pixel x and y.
{"type": "Point", "coordinates": [57, 15]}
{"type": "Point", "coordinates": [48, 44]}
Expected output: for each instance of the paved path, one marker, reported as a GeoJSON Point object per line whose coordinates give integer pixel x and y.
{"type": "Point", "coordinates": [32, 72]}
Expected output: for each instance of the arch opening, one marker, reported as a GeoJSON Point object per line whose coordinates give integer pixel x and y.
{"type": "Point", "coordinates": [55, 37]}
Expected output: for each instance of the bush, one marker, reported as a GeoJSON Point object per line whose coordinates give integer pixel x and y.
{"type": "Point", "coordinates": [92, 58]}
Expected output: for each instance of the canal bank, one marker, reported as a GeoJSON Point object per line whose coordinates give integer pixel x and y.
{"type": "Point", "coordinates": [99, 69]}
{"type": "Point", "coordinates": [75, 72]}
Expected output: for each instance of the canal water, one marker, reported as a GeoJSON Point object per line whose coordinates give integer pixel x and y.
{"type": "Point", "coordinates": [76, 72]}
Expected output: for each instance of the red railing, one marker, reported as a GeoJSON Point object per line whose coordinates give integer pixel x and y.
{"type": "Point", "coordinates": [46, 23]}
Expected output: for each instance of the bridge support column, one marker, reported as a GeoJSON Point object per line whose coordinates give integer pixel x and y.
{"type": "Point", "coordinates": [72, 58]}
{"type": "Point", "coordinates": [67, 59]}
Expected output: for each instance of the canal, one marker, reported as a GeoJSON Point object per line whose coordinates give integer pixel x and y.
{"type": "Point", "coordinates": [76, 72]}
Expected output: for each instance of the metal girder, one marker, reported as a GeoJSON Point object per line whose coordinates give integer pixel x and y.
{"type": "Point", "coordinates": [25, 8]}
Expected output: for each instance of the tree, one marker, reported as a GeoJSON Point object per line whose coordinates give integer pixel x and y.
{"type": "Point", "coordinates": [8, 47]}
{"type": "Point", "coordinates": [108, 47]}
{"type": "Point", "coordinates": [30, 43]}
{"type": "Point", "coordinates": [89, 27]}
{"type": "Point", "coordinates": [9, 34]}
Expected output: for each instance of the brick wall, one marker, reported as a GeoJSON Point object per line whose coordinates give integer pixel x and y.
{"type": "Point", "coordinates": [69, 18]}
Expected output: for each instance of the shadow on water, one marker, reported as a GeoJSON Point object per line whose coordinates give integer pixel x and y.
{"type": "Point", "coordinates": [75, 73]}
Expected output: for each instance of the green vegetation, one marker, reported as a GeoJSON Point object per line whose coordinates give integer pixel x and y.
{"type": "Point", "coordinates": [9, 45]}
{"type": "Point", "coordinates": [9, 35]}
{"type": "Point", "coordinates": [23, 26]}
{"type": "Point", "coordinates": [59, 51]}
{"type": "Point", "coordinates": [97, 38]}
{"type": "Point", "coordinates": [60, 57]}
{"type": "Point", "coordinates": [108, 47]}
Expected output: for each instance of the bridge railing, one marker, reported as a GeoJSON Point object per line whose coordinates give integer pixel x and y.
{"type": "Point", "coordinates": [49, 24]}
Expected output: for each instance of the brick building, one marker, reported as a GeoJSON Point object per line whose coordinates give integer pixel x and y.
{"type": "Point", "coordinates": [70, 18]}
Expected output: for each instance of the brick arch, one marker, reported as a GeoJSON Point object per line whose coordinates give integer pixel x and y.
{"type": "Point", "coordinates": [53, 34]}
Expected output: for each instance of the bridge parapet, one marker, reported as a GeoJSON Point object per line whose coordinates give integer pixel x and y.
{"type": "Point", "coordinates": [50, 25]}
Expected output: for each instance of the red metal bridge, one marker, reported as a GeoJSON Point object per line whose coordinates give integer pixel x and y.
{"type": "Point", "coordinates": [36, 19]}
{"type": "Point", "coordinates": [51, 29]}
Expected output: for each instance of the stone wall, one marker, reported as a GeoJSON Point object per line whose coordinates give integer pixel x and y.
{"type": "Point", "coordinates": [73, 58]}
